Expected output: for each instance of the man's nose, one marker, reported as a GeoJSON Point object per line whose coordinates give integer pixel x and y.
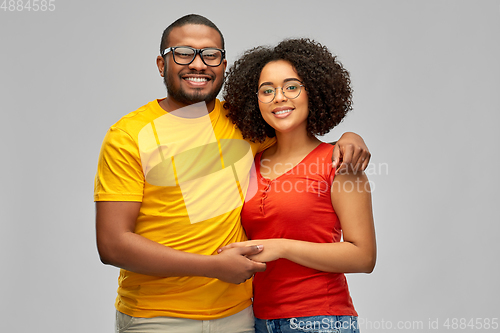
{"type": "Point", "coordinates": [198, 63]}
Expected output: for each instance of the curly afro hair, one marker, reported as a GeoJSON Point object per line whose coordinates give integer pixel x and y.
{"type": "Point", "coordinates": [326, 81]}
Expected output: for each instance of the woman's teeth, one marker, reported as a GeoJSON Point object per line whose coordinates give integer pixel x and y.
{"type": "Point", "coordinates": [284, 111]}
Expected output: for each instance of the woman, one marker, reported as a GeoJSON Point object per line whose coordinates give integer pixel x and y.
{"type": "Point", "coordinates": [294, 92]}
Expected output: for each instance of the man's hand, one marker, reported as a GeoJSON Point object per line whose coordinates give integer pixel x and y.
{"type": "Point", "coordinates": [233, 266]}
{"type": "Point", "coordinates": [350, 154]}
{"type": "Point", "coordinates": [272, 249]}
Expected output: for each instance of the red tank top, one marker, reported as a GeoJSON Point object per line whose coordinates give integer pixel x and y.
{"type": "Point", "coordinates": [297, 205]}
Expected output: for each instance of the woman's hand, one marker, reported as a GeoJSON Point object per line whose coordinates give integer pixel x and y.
{"type": "Point", "coordinates": [272, 249]}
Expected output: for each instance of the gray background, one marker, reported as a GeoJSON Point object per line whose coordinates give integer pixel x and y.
{"type": "Point", "coordinates": [426, 76]}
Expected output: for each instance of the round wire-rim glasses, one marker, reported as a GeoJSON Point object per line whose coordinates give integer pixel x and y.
{"type": "Point", "coordinates": [184, 55]}
{"type": "Point", "coordinates": [267, 94]}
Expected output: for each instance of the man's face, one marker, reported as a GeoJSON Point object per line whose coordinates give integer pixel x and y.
{"type": "Point", "coordinates": [196, 82]}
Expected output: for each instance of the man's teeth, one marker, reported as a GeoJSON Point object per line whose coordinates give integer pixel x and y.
{"type": "Point", "coordinates": [284, 111]}
{"type": "Point", "coordinates": [197, 79]}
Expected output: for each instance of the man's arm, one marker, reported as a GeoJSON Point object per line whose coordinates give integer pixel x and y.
{"type": "Point", "coordinates": [350, 153]}
{"type": "Point", "coordinates": [120, 246]}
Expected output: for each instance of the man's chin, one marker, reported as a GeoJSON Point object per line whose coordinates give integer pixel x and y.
{"type": "Point", "coordinates": [193, 98]}
{"type": "Point", "coordinates": [182, 96]}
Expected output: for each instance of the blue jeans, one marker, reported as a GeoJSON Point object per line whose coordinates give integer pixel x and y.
{"type": "Point", "coordinates": [314, 324]}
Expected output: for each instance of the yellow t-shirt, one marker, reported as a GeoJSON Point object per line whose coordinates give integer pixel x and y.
{"type": "Point", "coordinates": [190, 175]}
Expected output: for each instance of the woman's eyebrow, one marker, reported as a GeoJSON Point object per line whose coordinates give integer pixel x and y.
{"type": "Point", "coordinates": [284, 81]}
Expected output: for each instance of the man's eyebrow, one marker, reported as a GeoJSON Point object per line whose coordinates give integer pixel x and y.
{"type": "Point", "coordinates": [284, 81]}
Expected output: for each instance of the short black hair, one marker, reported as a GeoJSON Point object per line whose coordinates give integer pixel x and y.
{"type": "Point", "coordinates": [187, 19]}
{"type": "Point", "coordinates": [326, 81]}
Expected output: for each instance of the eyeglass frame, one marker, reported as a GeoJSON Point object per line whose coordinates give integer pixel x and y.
{"type": "Point", "coordinates": [274, 89]}
{"type": "Point", "coordinates": [196, 52]}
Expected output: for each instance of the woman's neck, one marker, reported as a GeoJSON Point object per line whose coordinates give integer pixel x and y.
{"type": "Point", "coordinates": [293, 143]}
{"type": "Point", "coordinates": [289, 150]}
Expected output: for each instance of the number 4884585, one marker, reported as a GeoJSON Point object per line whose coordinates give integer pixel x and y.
{"type": "Point", "coordinates": [473, 324]}
{"type": "Point", "coordinates": [28, 5]}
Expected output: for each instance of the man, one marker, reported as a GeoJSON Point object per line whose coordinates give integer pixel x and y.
{"type": "Point", "coordinates": [169, 190]}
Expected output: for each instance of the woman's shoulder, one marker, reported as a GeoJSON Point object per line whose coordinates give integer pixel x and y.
{"type": "Point", "coordinates": [324, 150]}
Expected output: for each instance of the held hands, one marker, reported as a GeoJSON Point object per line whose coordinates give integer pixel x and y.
{"type": "Point", "coordinates": [273, 249]}
{"type": "Point", "coordinates": [235, 265]}
{"type": "Point", "coordinates": [350, 154]}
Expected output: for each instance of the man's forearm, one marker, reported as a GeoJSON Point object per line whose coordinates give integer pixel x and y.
{"type": "Point", "coordinates": [138, 254]}
{"type": "Point", "coordinates": [141, 255]}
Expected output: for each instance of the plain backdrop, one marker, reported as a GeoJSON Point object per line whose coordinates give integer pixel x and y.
{"type": "Point", "coordinates": [426, 79]}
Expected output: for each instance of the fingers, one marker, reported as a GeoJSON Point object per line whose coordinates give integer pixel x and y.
{"type": "Point", "coordinates": [259, 266]}
{"type": "Point", "coordinates": [346, 157]}
{"type": "Point", "coordinates": [357, 159]}
{"type": "Point", "coordinates": [354, 159]}
{"type": "Point", "coordinates": [347, 154]}
{"type": "Point", "coordinates": [366, 161]}
{"type": "Point", "coordinates": [360, 159]}
{"type": "Point", "coordinates": [249, 250]}
{"type": "Point", "coordinates": [354, 154]}
{"type": "Point", "coordinates": [234, 266]}
{"type": "Point", "coordinates": [224, 248]}
{"type": "Point", "coordinates": [231, 246]}
{"type": "Point", "coordinates": [335, 157]}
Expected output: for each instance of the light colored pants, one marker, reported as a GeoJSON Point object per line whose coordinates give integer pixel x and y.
{"type": "Point", "coordinates": [241, 322]}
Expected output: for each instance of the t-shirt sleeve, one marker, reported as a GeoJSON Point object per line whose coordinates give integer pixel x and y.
{"type": "Point", "coordinates": [119, 171]}
{"type": "Point", "coordinates": [266, 144]}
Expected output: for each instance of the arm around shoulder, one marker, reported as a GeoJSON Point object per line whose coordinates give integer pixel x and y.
{"type": "Point", "coordinates": [350, 153]}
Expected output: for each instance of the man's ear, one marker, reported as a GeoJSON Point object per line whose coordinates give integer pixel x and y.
{"type": "Point", "coordinates": [160, 62]}
{"type": "Point", "coordinates": [224, 62]}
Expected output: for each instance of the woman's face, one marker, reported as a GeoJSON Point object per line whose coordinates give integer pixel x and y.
{"type": "Point", "coordinates": [283, 114]}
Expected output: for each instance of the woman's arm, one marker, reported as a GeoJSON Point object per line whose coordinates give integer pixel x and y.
{"type": "Point", "coordinates": [351, 200]}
